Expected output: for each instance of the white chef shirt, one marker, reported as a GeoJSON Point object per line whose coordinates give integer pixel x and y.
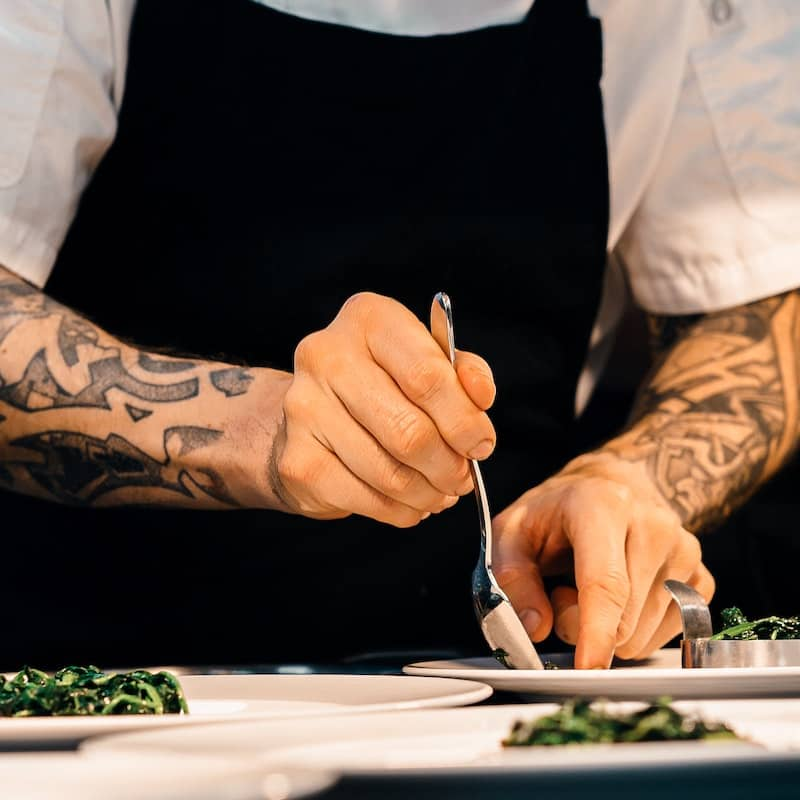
{"type": "Point", "coordinates": [702, 112]}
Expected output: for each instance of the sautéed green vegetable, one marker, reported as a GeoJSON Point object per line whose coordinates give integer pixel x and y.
{"type": "Point", "coordinates": [74, 691]}
{"type": "Point", "coordinates": [737, 626]}
{"type": "Point", "coordinates": [579, 721]}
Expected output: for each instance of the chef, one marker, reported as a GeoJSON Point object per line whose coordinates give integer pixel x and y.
{"type": "Point", "coordinates": [222, 224]}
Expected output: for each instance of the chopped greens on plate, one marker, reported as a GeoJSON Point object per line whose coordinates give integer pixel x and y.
{"type": "Point", "coordinates": [581, 721]}
{"type": "Point", "coordinates": [737, 626]}
{"type": "Point", "coordinates": [76, 691]}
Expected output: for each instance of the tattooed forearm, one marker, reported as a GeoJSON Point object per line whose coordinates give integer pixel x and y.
{"type": "Point", "coordinates": [86, 419]}
{"type": "Point", "coordinates": [232, 381]}
{"type": "Point", "coordinates": [720, 412]}
{"type": "Point", "coordinates": [79, 469]}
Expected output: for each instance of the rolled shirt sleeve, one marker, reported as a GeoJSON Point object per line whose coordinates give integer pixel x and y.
{"type": "Point", "coordinates": [718, 222]}
{"type": "Point", "coordinates": [61, 80]}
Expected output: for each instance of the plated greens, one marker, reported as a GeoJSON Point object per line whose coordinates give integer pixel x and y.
{"type": "Point", "coordinates": [737, 626]}
{"type": "Point", "coordinates": [580, 721]}
{"type": "Point", "coordinates": [78, 691]}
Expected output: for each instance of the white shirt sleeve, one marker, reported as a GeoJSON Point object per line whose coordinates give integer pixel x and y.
{"type": "Point", "coordinates": [718, 222]}
{"type": "Point", "coordinates": [60, 87]}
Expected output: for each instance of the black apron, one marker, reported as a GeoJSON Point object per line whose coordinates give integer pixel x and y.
{"type": "Point", "coordinates": [266, 168]}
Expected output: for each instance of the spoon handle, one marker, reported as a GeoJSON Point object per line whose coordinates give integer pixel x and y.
{"type": "Point", "coordinates": [444, 334]}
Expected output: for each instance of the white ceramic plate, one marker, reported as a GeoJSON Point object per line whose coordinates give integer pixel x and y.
{"type": "Point", "coordinates": [235, 697]}
{"type": "Point", "coordinates": [660, 675]}
{"type": "Point", "coordinates": [455, 740]}
{"type": "Point", "coordinates": [72, 776]}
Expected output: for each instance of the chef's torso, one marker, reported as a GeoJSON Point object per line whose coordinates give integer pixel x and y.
{"type": "Point", "coordinates": [267, 166]}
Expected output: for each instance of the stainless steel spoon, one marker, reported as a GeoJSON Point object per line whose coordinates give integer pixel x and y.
{"type": "Point", "coordinates": [500, 624]}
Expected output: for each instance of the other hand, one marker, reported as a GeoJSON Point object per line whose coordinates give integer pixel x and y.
{"type": "Point", "coordinates": [602, 522]}
{"type": "Point", "coordinates": [376, 420]}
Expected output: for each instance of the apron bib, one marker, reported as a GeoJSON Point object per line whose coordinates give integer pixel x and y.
{"type": "Point", "coordinates": [267, 167]}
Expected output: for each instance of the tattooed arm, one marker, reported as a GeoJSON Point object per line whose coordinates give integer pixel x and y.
{"type": "Point", "coordinates": [721, 411]}
{"type": "Point", "coordinates": [86, 419]}
{"type": "Point", "coordinates": [373, 420]}
{"type": "Point", "coordinates": [716, 417]}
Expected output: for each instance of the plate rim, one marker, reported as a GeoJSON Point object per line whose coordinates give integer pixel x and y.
{"type": "Point", "coordinates": [458, 720]}
{"type": "Point", "coordinates": [22, 732]}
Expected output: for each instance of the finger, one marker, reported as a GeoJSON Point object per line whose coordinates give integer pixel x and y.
{"type": "Point", "coordinates": [565, 613]}
{"type": "Point", "coordinates": [408, 353]}
{"type": "Point", "coordinates": [322, 487]}
{"type": "Point", "coordinates": [655, 616]}
{"type": "Point", "coordinates": [670, 625]}
{"type": "Point", "coordinates": [402, 429]}
{"type": "Point", "coordinates": [598, 539]}
{"type": "Point", "coordinates": [679, 563]}
{"type": "Point", "coordinates": [517, 573]}
{"type": "Point", "coordinates": [647, 549]}
{"type": "Point", "coordinates": [476, 378]}
{"type": "Point", "coordinates": [367, 460]}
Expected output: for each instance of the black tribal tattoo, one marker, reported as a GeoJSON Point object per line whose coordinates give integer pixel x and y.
{"type": "Point", "coordinates": [721, 410]}
{"type": "Point", "coordinates": [78, 469]}
{"type": "Point", "coordinates": [60, 362]}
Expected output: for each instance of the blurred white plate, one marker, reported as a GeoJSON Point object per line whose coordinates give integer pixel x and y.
{"type": "Point", "coordinates": [458, 740]}
{"type": "Point", "coordinates": [235, 697]}
{"type": "Point", "coordinates": [72, 776]}
{"type": "Point", "coordinates": [659, 675]}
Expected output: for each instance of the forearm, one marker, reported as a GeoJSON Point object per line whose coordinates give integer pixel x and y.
{"type": "Point", "coordinates": [86, 419]}
{"type": "Point", "coordinates": [719, 413]}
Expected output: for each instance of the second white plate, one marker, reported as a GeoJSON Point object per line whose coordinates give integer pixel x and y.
{"type": "Point", "coordinates": [658, 676]}
{"type": "Point", "coordinates": [458, 740]}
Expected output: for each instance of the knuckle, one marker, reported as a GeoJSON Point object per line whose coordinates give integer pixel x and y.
{"type": "Point", "coordinates": [627, 650]}
{"type": "Point", "coordinates": [359, 305]}
{"type": "Point", "coordinates": [708, 587]}
{"type": "Point", "coordinates": [308, 350]}
{"type": "Point", "coordinates": [297, 403]}
{"type": "Point", "coordinates": [411, 434]}
{"type": "Point", "coordinates": [620, 492]}
{"type": "Point", "coordinates": [424, 381]}
{"type": "Point", "coordinates": [590, 491]}
{"type": "Point", "coordinates": [399, 480]}
{"type": "Point", "coordinates": [466, 427]}
{"type": "Point", "coordinates": [509, 573]}
{"type": "Point", "coordinates": [613, 589]}
{"type": "Point", "coordinates": [705, 584]}
{"type": "Point", "coordinates": [626, 629]}
{"type": "Point", "coordinates": [691, 547]}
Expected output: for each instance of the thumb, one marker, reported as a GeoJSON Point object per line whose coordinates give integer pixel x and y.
{"type": "Point", "coordinates": [518, 575]}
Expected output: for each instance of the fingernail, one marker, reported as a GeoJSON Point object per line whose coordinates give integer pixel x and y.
{"type": "Point", "coordinates": [483, 450]}
{"type": "Point", "coordinates": [566, 624]}
{"type": "Point", "coordinates": [530, 619]}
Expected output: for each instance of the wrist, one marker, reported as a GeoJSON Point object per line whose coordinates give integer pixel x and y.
{"type": "Point", "coordinates": [618, 462]}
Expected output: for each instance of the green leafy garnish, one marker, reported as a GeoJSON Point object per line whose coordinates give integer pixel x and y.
{"type": "Point", "coordinates": [502, 656]}
{"type": "Point", "coordinates": [737, 626]}
{"type": "Point", "coordinates": [75, 691]}
{"type": "Point", "coordinates": [579, 721]}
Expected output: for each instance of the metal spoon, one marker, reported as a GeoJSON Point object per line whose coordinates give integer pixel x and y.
{"type": "Point", "coordinates": [498, 621]}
